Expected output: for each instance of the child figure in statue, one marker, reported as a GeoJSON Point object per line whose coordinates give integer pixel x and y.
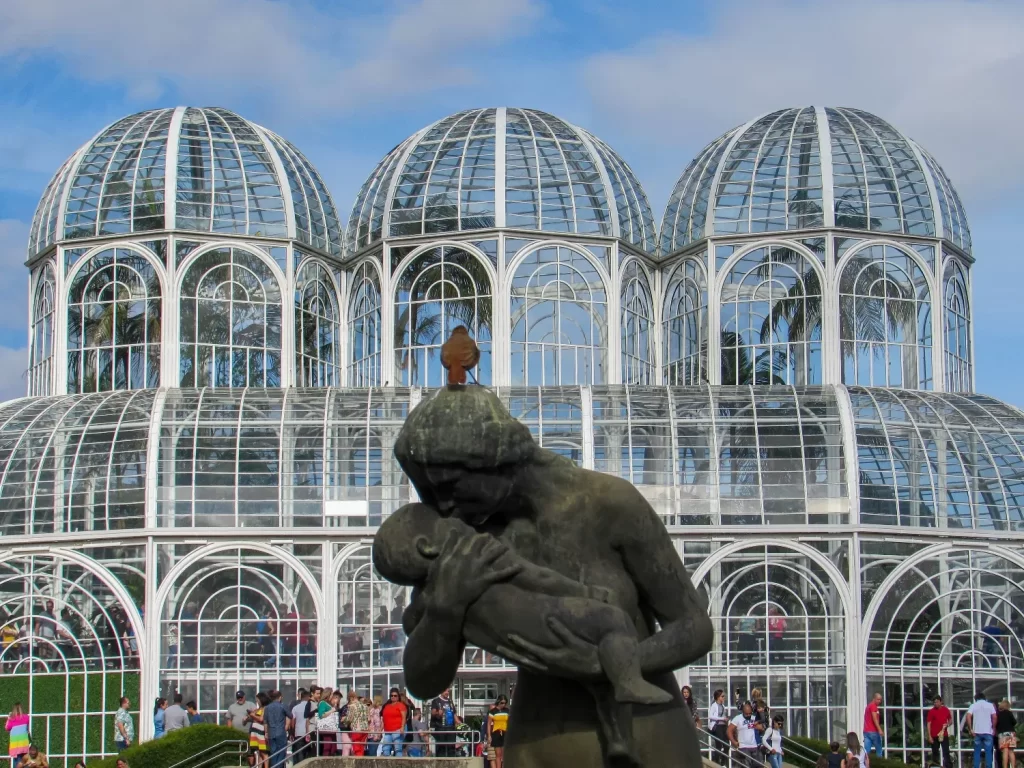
{"type": "Point", "coordinates": [411, 539]}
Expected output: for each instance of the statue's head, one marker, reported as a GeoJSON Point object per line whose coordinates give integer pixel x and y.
{"type": "Point", "coordinates": [460, 448]}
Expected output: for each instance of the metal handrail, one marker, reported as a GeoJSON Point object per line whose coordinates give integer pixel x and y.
{"type": "Point", "coordinates": [802, 750]}
{"type": "Point", "coordinates": [241, 745]}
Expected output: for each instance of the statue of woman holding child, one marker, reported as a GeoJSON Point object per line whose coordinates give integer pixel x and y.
{"type": "Point", "coordinates": [580, 557]}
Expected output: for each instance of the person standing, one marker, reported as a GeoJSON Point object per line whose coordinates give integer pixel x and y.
{"type": "Point", "coordinates": [376, 732]}
{"type": "Point", "coordinates": [981, 722]}
{"type": "Point", "coordinates": [17, 734]}
{"type": "Point", "coordinates": [175, 716]}
{"type": "Point", "coordinates": [357, 719]}
{"type": "Point", "coordinates": [873, 730]}
{"type": "Point", "coordinates": [418, 731]}
{"type": "Point", "coordinates": [718, 724]}
{"type": "Point", "coordinates": [124, 726]}
{"type": "Point", "coordinates": [497, 725]}
{"type": "Point", "coordinates": [691, 704]}
{"type": "Point", "coordinates": [276, 717]}
{"type": "Point", "coordinates": [194, 718]}
{"type": "Point", "coordinates": [237, 715]}
{"type": "Point", "coordinates": [743, 735]}
{"type": "Point", "coordinates": [1006, 727]}
{"type": "Point", "coordinates": [393, 715]}
{"type": "Point", "coordinates": [442, 723]}
{"type": "Point", "coordinates": [771, 742]}
{"type": "Point", "coordinates": [300, 716]}
{"type": "Point", "coordinates": [258, 729]}
{"type": "Point", "coordinates": [159, 706]}
{"type": "Point", "coordinates": [939, 720]}
{"type": "Point", "coordinates": [854, 749]}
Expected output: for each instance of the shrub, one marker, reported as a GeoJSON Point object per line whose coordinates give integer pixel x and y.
{"type": "Point", "coordinates": [821, 747]}
{"type": "Point", "coordinates": [175, 747]}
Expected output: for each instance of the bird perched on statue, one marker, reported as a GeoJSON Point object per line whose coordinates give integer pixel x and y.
{"type": "Point", "coordinates": [459, 354]}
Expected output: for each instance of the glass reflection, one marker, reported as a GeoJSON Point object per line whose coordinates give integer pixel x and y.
{"type": "Point", "coordinates": [771, 319]}
{"type": "Point", "coordinates": [559, 317]}
{"type": "Point", "coordinates": [317, 327]}
{"type": "Point", "coordinates": [885, 320]}
{"type": "Point", "coordinates": [114, 323]}
{"type": "Point", "coordinates": [230, 321]}
{"type": "Point", "coordinates": [685, 328]}
{"type": "Point", "coordinates": [637, 326]}
{"type": "Point", "coordinates": [438, 291]}
{"type": "Point", "coordinates": [364, 324]}
{"type": "Point", "coordinates": [40, 367]}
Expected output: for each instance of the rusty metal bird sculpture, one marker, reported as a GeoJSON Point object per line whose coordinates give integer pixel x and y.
{"type": "Point", "coordinates": [459, 354]}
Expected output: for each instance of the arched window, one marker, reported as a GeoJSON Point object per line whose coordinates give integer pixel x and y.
{"type": "Point", "coordinates": [114, 323]}
{"type": "Point", "coordinates": [559, 318]}
{"type": "Point", "coordinates": [959, 366]}
{"type": "Point", "coordinates": [780, 627]}
{"type": "Point", "coordinates": [241, 618]}
{"type": "Point", "coordinates": [948, 626]}
{"type": "Point", "coordinates": [440, 290]}
{"type": "Point", "coordinates": [230, 321]}
{"type": "Point", "coordinates": [40, 369]}
{"type": "Point", "coordinates": [885, 320]}
{"type": "Point", "coordinates": [771, 319]}
{"type": "Point", "coordinates": [686, 325]}
{"type": "Point", "coordinates": [317, 330]}
{"type": "Point", "coordinates": [74, 652]}
{"type": "Point", "coordinates": [364, 327]}
{"type": "Point", "coordinates": [637, 326]}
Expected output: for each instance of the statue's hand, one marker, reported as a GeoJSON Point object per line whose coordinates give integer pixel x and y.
{"type": "Point", "coordinates": [463, 571]}
{"type": "Point", "coordinates": [575, 658]}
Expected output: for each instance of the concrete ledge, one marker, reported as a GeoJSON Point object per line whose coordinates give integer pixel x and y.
{"type": "Point", "coordinates": [392, 762]}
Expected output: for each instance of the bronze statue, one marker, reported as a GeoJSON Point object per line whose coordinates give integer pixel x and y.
{"type": "Point", "coordinates": [538, 521]}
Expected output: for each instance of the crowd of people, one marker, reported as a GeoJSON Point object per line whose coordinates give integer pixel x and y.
{"type": "Point", "coordinates": [327, 722]}
{"type": "Point", "coordinates": [26, 754]}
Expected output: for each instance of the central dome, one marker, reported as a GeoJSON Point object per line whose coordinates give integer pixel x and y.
{"type": "Point", "coordinates": [812, 167]}
{"type": "Point", "coordinates": [501, 167]}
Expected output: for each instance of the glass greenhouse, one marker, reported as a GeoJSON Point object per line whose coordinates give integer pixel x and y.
{"type": "Point", "coordinates": [218, 371]}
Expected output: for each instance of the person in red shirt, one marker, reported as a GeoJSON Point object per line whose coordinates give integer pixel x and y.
{"type": "Point", "coordinates": [873, 727]}
{"type": "Point", "coordinates": [393, 715]}
{"type": "Point", "coordinates": [939, 719]}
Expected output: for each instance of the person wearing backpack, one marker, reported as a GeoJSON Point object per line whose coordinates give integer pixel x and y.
{"type": "Point", "coordinates": [442, 722]}
{"type": "Point", "coordinates": [771, 742]}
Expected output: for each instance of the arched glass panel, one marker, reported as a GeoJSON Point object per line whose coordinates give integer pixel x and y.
{"type": "Point", "coordinates": [559, 318]}
{"type": "Point", "coordinates": [957, 313]}
{"type": "Point", "coordinates": [364, 327]}
{"type": "Point", "coordinates": [637, 326]}
{"type": "Point", "coordinates": [114, 321]}
{"type": "Point", "coordinates": [685, 326]}
{"type": "Point", "coordinates": [885, 320]}
{"type": "Point", "coordinates": [771, 319]}
{"type": "Point", "coordinates": [44, 307]}
{"type": "Point", "coordinates": [779, 636]}
{"type": "Point", "coordinates": [950, 626]}
{"type": "Point", "coordinates": [69, 652]}
{"type": "Point", "coordinates": [438, 291]}
{"type": "Point", "coordinates": [230, 321]}
{"type": "Point", "coordinates": [317, 327]}
{"type": "Point", "coordinates": [370, 637]}
{"type": "Point", "coordinates": [239, 619]}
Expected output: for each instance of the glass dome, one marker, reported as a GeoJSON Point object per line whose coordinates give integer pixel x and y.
{"type": "Point", "coordinates": [809, 167]}
{"type": "Point", "coordinates": [501, 167]}
{"type": "Point", "coordinates": [187, 168]}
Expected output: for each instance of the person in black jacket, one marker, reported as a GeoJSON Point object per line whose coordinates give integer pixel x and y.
{"type": "Point", "coordinates": [1006, 728]}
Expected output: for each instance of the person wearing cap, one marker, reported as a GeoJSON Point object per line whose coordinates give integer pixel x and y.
{"type": "Point", "coordinates": [237, 715]}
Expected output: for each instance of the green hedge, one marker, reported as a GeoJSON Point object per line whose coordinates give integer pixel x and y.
{"type": "Point", "coordinates": [68, 697]}
{"type": "Point", "coordinates": [175, 747]}
{"type": "Point", "coordinates": [821, 748]}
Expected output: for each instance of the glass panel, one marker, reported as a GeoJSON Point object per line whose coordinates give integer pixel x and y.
{"type": "Point", "coordinates": [317, 327]}
{"type": "Point", "coordinates": [685, 327]}
{"type": "Point", "coordinates": [637, 326]}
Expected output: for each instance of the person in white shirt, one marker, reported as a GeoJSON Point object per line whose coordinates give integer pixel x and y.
{"type": "Point", "coordinates": [771, 742]}
{"type": "Point", "coordinates": [718, 720]}
{"type": "Point", "coordinates": [743, 736]}
{"type": "Point", "coordinates": [981, 722]}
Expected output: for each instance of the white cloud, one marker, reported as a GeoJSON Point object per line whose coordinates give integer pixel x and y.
{"type": "Point", "coordinates": [946, 72]}
{"type": "Point", "coordinates": [13, 364]}
{"type": "Point", "coordinates": [294, 55]}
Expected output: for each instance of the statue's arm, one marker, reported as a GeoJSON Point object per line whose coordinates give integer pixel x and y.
{"type": "Point", "coordinates": [546, 581]}
{"type": "Point", "coordinates": [433, 649]}
{"type": "Point", "coordinates": [664, 587]}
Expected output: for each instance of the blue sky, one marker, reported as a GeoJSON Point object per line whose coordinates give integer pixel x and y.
{"type": "Point", "coordinates": [656, 80]}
